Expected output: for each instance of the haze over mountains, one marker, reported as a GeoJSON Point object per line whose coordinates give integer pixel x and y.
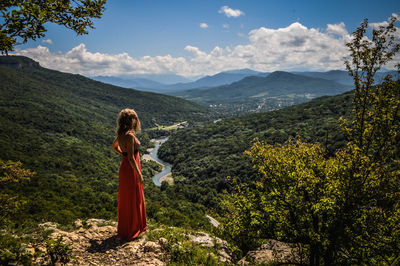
{"type": "Point", "coordinates": [263, 93]}
{"type": "Point", "coordinates": [147, 83]}
{"type": "Point", "coordinates": [275, 84]}
{"type": "Point", "coordinates": [343, 77]}
{"type": "Point", "coordinates": [165, 84]}
{"type": "Point", "coordinates": [134, 83]}
{"type": "Point", "coordinates": [241, 91]}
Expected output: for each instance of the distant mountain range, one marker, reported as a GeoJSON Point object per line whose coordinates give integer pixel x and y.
{"type": "Point", "coordinates": [343, 77]}
{"type": "Point", "coordinates": [338, 76]}
{"type": "Point", "coordinates": [275, 84]}
{"type": "Point", "coordinates": [259, 93]}
{"type": "Point", "coordinates": [245, 90]}
{"type": "Point", "coordinates": [134, 83]}
{"type": "Point", "coordinates": [153, 83]}
{"type": "Point", "coordinates": [219, 79]}
{"type": "Point", "coordinates": [146, 83]}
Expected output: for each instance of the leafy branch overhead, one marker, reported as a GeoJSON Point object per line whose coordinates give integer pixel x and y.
{"type": "Point", "coordinates": [24, 20]}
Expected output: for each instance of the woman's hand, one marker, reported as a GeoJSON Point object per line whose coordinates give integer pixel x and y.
{"type": "Point", "coordinates": [141, 180]}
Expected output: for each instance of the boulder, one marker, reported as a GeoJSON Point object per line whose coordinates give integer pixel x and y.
{"type": "Point", "coordinates": [272, 251]}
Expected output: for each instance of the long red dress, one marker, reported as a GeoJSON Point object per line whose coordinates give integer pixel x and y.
{"type": "Point", "coordinates": [131, 206]}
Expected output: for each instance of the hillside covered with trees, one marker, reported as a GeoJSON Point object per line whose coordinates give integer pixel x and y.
{"type": "Point", "coordinates": [321, 177]}
{"type": "Point", "coordinates": [61, 126]}
{"type": "Point", "coordinates": [202, 157]}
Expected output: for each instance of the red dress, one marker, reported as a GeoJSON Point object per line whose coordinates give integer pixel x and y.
{"type": "Point", "coordinates": [131, 206]}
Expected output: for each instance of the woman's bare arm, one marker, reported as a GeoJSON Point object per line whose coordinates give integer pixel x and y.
{"type": "Point", "coordinates": [131, 156]}
{"type": "Point", "coordinates": [116, 147]}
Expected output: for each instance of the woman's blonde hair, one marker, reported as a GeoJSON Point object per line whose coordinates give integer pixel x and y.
{"type": "Point", "coordinates": [128, 120]}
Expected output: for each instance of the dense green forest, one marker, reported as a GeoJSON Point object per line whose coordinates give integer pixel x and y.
{"type": "Point", "coordinates": [61, 127]}
{"type": "Point", "coordinates": [202, 157]}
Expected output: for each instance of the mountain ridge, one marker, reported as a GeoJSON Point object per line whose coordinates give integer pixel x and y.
{"type": "Point", "coordinates": [133, 83]}
{"type": "Point", "coordinates": [276, 83]}
{"type": "Point", "coordinates": [259, 94]}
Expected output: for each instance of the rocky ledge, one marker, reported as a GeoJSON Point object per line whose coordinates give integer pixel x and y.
{"type": "Point", "coordinates": [96, 243]}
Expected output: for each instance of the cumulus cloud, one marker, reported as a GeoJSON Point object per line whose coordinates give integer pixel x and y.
{"type": "Point", "coordinates": [225, 26]}
{"type": "Point", "coordinates": [293, 47]}
{"type": "Point", "coordinates": [229, 12]}
{"type": "Point", "coordinates": [80, 60]}
{"type": "Point", "coordinates": [49, 41]}
{"type": "Point", "coordinates": [338, 29]}
{"type": "Point", "coordinates": [203, 25]}
{"type": "Point", "coordinates": [377, 25]}
{"type": "Point", "coordinates": [396, 34]}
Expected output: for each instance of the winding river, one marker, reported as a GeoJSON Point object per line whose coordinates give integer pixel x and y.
{"type": "Point", "coordinates": [166, 166]}
{"type": "Point", "coordinates": [167, 169]}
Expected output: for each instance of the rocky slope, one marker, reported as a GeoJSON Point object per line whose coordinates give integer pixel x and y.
{"type": "Point", "coordinates": [94, 242]}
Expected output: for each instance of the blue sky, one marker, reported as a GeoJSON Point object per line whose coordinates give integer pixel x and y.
{"type": "Point", "coordinates": [158, 36]}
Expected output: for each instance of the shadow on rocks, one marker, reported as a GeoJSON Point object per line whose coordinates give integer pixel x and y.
{"type": "Point", "coordinates": [101, 246]}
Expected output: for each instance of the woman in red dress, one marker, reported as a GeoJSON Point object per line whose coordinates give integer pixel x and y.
{"type": "Point", "coordinates": [131, 205]}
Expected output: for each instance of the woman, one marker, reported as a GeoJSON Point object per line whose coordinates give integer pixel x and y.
{"type": "Point", "coordinates": [131, 206]}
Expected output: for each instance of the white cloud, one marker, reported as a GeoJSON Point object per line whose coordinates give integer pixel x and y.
{"type": "Point", "coordinates": [290, 48]}
{"type": "Point", "coordinates": [229, 12]}
{"type": "Point", "coordinates": [195, 51]}
{"type": "Point", "coordinates": [396, 34]}
{"type": "Point", "coordinates": [376, 25]}
{"type": "Point", "coordinates": [225, 26]}
{"type": "Point", "coordinates": [80, 60]}
{"type": "Point", "coordinates": [338, 29]}
{"type": "Point", "coordinates": [203, 25]}
{"type": "Point", "coordinates": [48, 41]}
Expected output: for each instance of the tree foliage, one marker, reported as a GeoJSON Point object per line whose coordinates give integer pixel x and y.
{"type": "Point", "coordinates": [343, 209]}
{"type": "Point", "coordinates": [24, 20]}
{"type": "Point", "coordinates": [11, 172]}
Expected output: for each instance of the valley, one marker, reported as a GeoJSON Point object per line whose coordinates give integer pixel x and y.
{"type": "Point", "coordinates": [61, 127]}
{"type": "Point", "coordinates": [262, 133]}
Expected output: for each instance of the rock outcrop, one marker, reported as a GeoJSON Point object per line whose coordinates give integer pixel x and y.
{"type": "Point", "coordinates": [95, 243]}
{"type": "Point", "coordinates": [272, 252]}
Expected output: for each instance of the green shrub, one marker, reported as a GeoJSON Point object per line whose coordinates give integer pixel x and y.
{"type": "Point", "coordinates": [58, 251]}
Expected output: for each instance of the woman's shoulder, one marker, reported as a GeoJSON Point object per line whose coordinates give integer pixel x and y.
{"type": "Point", "coordinates": [129, 136]}
{"type": "Point", "coordinates": [126, 135]}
